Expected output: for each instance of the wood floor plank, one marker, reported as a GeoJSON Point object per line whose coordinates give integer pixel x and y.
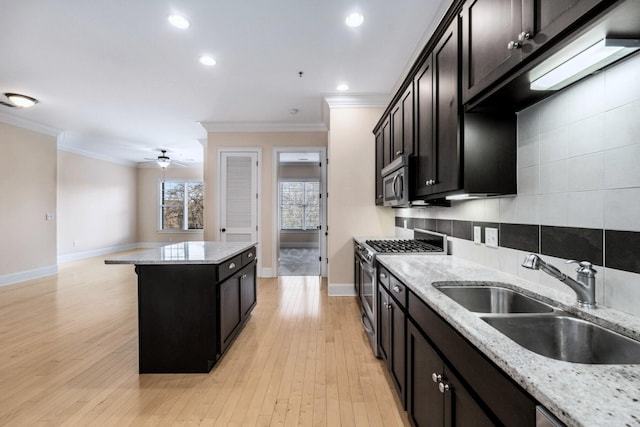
{"type": "Point", "coordinates": [69, 357]}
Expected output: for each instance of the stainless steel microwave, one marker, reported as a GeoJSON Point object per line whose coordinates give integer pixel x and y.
{"type": "Point", "coordinates": [395, 182]}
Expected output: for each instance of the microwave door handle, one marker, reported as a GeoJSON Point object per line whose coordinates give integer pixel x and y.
{"type": "Point", "coordinates": [393, 185]}
{"type": "Point", "coordinates": [401, 182]}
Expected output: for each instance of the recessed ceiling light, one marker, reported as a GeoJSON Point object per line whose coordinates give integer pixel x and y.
{"type": "Point", "coordinates": [354, 20]}
{"type": "Point", "coordinates": [179, 21]}
{"type": "Point", "coordinates": [342, 87]}
{"type": "Point", "coordinates": [207, 60]}
{"type": "Point", "coordinates": [21, 101]}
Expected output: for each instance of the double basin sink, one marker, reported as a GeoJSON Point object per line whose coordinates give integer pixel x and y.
{"type": "Point", "coordinates": [544, 329]}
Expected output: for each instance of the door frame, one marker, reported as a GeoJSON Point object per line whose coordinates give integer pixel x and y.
{"type": "Point", "coordinates": [275, 248]}
{"type": "Point", "coordinates": [218, 201]}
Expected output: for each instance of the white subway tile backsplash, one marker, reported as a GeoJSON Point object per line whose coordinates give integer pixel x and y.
{"type": "Point", "coordinates": [622, 126]}
{"type": "Point", "coordinates": [553, 145]}
{"type": "Point", "coordinates": [528, 180]}
{"type": "Point", "coordinates": [586, 136]}
{"type": "Point", "coordinates": [586, 209]}
{"type": "Point", "coordinates": [553, 177]}
{"type": "Point", "coordinates": [622, 209]}
{"type": "Point", "coordinates": [621, 290]}
{"type": "Point", "coordinates": [622, 83]}
{"type": "Point", "coordinates": [586, 172]}
{"type": "Point", "coordinates": [584, 99]}
{"type": "Point", "coordinates": [528, 153]}
{"type": "Point", "coordinates": [553, 209]}
{"type": "Point", "coordinates": [509, 209]}
{"type": "Point", "coordinates": [528, 123]}
{"type": "Point", "coordinates": [622, 167]}
{"type": "Point", "coordinates": [528, 209]}
{"type": "Point", "coordinates": [553, 113]}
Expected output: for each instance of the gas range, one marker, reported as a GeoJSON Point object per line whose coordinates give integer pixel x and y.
{"type": "Point", "coordinates": [425, 242]}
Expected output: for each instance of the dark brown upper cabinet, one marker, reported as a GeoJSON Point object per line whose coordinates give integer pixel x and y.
{"type": "Point", "coordinates": [498, 35]}
{"type": "Point", "coordinates": [438, 119]}
{"type": "Point", "coordinates": [379, 134]}
{"type": "Point", "coordinates": [402, 125]}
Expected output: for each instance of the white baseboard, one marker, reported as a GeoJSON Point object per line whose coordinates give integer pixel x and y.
{"type": "Point", "coordinates": [97, 252]}
{"type": "Point", "coordinates": [341, 290]}
{"type": "Point", "coordinates": [21, 276]}
{"type": "Point", "coordinates": [266, 272]}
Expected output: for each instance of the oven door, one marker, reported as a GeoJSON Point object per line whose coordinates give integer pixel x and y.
{"type": "Point", "coordinates": [394, 188]}
{"type": "Point", "coordinates": [367, 299]}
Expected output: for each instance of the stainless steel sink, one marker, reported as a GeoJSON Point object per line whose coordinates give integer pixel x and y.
{"type": "Point", "coordinates": [567, 338]}
{"type": "Point", "coordinates": [494, 299]}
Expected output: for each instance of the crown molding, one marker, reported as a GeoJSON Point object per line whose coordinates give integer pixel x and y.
{"type": "Point", "coordinates": [10, 119]}
{"type": "Point", "coordinates": [357, 101]}
{"type": "Point", "coordinates": [263, 127]}
{"type": "Point", "coordinates": [93, 155]}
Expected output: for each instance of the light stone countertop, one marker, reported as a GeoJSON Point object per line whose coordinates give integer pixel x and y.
{"type": "Point", "coordinates": [578, 394]}
{"type": "Point", "coordinates": [198, 252]}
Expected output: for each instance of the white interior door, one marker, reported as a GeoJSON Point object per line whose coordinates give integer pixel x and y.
{"type": "Point", "coordinates": [238, 196]}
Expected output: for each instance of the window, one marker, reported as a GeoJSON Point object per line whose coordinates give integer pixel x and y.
{"type": "Point", "coordinates": [299, 205]}
{"type": "Point", "coordinates": [181, 205]}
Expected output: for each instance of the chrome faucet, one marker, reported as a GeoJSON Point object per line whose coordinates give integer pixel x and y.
{"type": "Point", "coordinates": [584, 287]}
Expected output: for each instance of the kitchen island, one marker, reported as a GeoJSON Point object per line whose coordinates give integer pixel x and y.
{"type": "Point", "coordinates": [193, 300]}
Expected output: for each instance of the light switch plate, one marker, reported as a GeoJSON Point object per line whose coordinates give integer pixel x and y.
{"type": "Point", "coordinates": [491, 237]}
{"type": "Point", "coordinates": [477, 235]}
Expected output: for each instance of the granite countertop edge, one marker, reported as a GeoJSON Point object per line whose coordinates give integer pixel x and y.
{"type": "Point", "coordinates": [578, 394]}
{"type": "Point", "coordinates": [208, 252]}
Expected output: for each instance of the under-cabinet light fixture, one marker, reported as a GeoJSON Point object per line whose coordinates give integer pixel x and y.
{"type": "Point", "coordinates": [606, 51]}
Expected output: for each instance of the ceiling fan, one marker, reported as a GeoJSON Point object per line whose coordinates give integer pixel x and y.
{"type": "Point", "coordinates": [163, 160]}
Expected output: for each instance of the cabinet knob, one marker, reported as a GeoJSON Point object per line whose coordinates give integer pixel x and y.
{"type": "Point", "coordinates": [396, 289]}
{"type": "Point", "coordinates": [525, 35]}
{"type": "Point", "coordinates": [398, 152]}
{"type": "Point", "coordinates": [389, 306]}
{"type": "Point", "coordinates": [232, 266]}
{"type": "Point", "coordinates": [250, 255]}
{"type": "Point", "coordinates": [436, 377]}
{"type": "Point", "coordinates": [244, 276]}
{"type": "Point", "coordinates": [443, 387]}
{"type": "Point", "coordinates": [383, 275]}
{"type": "Point", "coordinates": [512, 45]}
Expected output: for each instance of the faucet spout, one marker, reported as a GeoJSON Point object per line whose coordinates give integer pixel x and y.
{"type": "Point", "coordinates": [584, 287]}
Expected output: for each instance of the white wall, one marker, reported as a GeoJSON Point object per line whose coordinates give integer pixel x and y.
{"type": "Point", "coordinates": [97, 206]}
{"type": "Point", "coordinates": [27, 194]}
{"type": "Point", "coordinates": [578, 166]}
{"type": "Point", "coordinates": [351, 187]}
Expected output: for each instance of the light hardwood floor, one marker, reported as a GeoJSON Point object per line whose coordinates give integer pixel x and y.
{"type": "Point", "coordinates": [68, 356]}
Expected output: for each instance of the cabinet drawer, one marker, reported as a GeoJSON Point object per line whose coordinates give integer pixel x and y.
{"type": "Point", "coordinates": [384, 276]}
{"type": "Point", "coordinates": [229, 267]}
{"type": "Point", "coordinates": [399, 291]}
{"type": "Point", "coordinates": [248, 256]}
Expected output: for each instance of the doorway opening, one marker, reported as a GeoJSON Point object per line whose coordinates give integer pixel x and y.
{"type": "Point", "coordinates": [300, 217]}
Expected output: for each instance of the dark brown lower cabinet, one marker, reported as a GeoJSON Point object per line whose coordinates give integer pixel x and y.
{"type": "Point", "coordinates": [392, 333]}
{"type": "Point", "coordinates": [237, 298]}
{"type": "Point", "coordinates": [435, 395]}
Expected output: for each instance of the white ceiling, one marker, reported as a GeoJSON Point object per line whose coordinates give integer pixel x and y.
{"type": "Point", "coordinates": [120, 82]}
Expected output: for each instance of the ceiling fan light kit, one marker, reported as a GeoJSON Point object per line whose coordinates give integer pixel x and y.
{"type": "Point", "coordinates": [163, 160]}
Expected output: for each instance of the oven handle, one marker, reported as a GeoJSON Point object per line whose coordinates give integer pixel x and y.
{"type": "Point", "coordinates": [368, 329]}
{"type": "Point", "coordinates": [365, 266]}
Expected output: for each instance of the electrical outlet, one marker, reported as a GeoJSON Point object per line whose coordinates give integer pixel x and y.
{"type": "Point", "coordinates": [48, 217]}
{"type": "Point", "coordinates": [477, 235]}
{"type": "Point", "coordinates": [491, 237]}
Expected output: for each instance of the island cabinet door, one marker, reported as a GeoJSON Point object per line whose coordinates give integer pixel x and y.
{"type": "Point", "coordinates": [248, 290]}
{"type": "Point", "coordinates": [230, 310]}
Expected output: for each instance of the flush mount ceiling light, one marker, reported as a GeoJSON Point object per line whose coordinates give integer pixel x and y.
{"type": "Point", "coordinates": [354, 20]}
{"type": "Point", "coordinates": [21, 101]}
{"type": "Point", "coordinates": [207, 60]}
{"type": "Point", "coordinates": [342, 87]}
{"type": "Point", "coordinates": [597, 56]}
{"type": "Point", "coordinates": [179, 21]}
